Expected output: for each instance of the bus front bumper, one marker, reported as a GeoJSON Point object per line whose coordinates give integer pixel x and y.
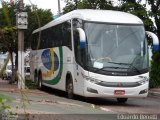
{"type": "Point", "coordinates": [94, 90]}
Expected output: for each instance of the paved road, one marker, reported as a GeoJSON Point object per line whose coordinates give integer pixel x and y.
{"type": "Point", "coordinates": [149, 105]}
{"type": "Point", "coordinates": [138, 106]}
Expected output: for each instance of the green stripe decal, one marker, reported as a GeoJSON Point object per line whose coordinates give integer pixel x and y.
{"type": "Point", "coordinates": [58, 77]}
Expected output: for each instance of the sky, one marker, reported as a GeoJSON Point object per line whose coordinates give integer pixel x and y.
{"type": "Point", "coordinates": [47, 4]}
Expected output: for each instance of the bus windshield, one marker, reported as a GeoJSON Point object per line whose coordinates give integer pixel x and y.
{"type": "Point", "coordinates": [116, 47]}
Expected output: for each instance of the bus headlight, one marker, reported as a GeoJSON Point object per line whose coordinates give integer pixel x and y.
{"type": "Point", "coordinates": [145, 80]}
{"type": "Point", "coordinates": [93, 80]}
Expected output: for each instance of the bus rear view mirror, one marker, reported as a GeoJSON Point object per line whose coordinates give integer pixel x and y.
{"type": "Point", "coordinates": [155, 40]}
{"type": "Point", "coordinates": [82, 37]}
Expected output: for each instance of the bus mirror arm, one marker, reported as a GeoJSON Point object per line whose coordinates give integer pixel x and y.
{"type": "Point", "coordinates": [82, 37]}
{"type": "Point", "coordinates": [155, 40]}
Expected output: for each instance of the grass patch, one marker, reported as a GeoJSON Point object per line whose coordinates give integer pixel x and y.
{"type": "Point", "coordinates": [5, 97]}
{"type": "Point", "coordinates": [4, 101]}
{"type": "Point", "coordinates": [30, 84]}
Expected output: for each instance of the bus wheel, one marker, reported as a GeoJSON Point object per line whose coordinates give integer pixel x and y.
{"type": "Point", "coordinates": [40, 86]}
{"type": "Point", "coordinates": [70, 89]}
{"type": "Point", "coordinates": [36, 78]}
{"type": "Point", "coordinates": [122, 100]}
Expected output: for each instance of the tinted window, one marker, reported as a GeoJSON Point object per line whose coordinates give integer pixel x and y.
{"type": "Point", "coordinates": [56, 36]}
{"type": "Point", "coordinates": [66, 27]}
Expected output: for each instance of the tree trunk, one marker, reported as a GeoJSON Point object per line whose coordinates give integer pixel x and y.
{"type": "Point", "coordinates": [16, 65]}
{"type": "Point", "coordinates": [13, 70]}
{"type": "Point", "coordinates": [4, 65]}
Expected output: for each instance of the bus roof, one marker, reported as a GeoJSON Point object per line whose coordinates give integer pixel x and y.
{"type": "Point", "coordinates": [108, 16]}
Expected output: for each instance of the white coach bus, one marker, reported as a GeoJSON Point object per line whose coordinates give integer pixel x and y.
{"type": "Point", "coordinates": [93, 53]}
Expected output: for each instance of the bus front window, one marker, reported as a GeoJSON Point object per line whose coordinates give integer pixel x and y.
{"type": "Point", "coordinates": [117, 48]}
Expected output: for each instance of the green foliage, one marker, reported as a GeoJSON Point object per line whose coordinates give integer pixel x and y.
{"type": "Point", "coordinates": [88, 4]}
{"type": "Point", "coordinates": [155, 13]}
{"type": "Point", "coordinates": [95, 4]}
{"type": "Point", "coordinates": [8, 40]}
{"type": "Point", "coordinates": [3, 100]}
{"type": "Point", "coordinates": [8, 43]}
{"type": "Point", "coordinates": [7, 15]}
{"type": "Point", "coordinates": [7, 23]}
{"type": "Point", "coordinates": [70, 5]}
{"type": "Point", "coordinates": [36, 18]}
{"type": "Point", "coordinates": [30, 84]}
{"type": "Point", "coordinates": [155, 73]}
{"type": "Point", "coordinates": [139, 10]}
{"type": "Point", "coordinates": [155, 68]}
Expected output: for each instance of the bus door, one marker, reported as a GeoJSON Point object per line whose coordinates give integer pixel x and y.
{"type": "Point", "coordinates": [78, 65]}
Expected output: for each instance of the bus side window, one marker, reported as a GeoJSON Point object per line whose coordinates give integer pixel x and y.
{"type": "Point", "coordinates": [43, 43]}
{"type": "Point", "coordinates": [52, 42]}
{"type": "Point", "coordinates": [35, 41]}
{"type": "Point", "coordinates": [77, 48]}
{"type": "Point", "coordinates": [66, 30]}
{"type": "Point", "coordinates": [47, 38]}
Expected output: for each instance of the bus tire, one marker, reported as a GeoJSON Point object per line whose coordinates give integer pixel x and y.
{"type": "Point", "coordinates": [36, 77]}
{"type": "Point", "coordinates": [122, 100]}
{"type": "Point", "coordinates": [40, 86]}
{"type": "Point", "coordinates": [69, 87]}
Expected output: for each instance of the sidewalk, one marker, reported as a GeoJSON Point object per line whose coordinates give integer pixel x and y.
{"type": "Point", "coordinates": [154, 92]}
{"type": "Point", "coordinates": [40, 104]}
{"type": "Point", "coordinates": [5, 86]}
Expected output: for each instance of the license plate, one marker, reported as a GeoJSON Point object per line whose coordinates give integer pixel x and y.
{"type": "Point", "coordinates": [119, 92]}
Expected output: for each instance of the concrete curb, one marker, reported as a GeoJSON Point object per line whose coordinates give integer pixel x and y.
{"type": "Point", "coordinates": [154, 93]}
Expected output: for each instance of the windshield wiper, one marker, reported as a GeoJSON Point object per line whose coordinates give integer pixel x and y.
{"type": "Point", "coordinates": [120, 63]}
{"type": "Point", "coordinates": [130, 66]}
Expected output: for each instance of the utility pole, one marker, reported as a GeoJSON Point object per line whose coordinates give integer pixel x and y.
{"type": "Point", "coordinates": [21, 25]}
{"type": "Point", "coordinates": [21, 82]}
{"type": "Point", "coordinates": [59, 8]}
